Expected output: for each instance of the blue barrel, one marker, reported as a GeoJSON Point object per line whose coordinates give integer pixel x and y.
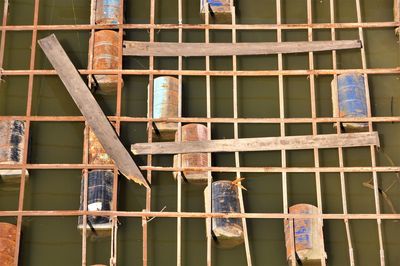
{"type": "Point", "coordinates": [107, 11]}
{"type": "Point", "coordinates": [165, 105]}
{"type": "Point", "coordinates": [352, 100]}
{"type": "Point", "coordinates": [99, 198]}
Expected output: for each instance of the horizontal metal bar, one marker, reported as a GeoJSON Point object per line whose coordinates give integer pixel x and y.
{"type": "Point", "coordinates": [290, 26]}
{"type": "Point", "coordinates": [338, 216]}
{"type": "Point", "coordinates": [251, 73]}
{"type": "Point", "coordinates": [222, 120]}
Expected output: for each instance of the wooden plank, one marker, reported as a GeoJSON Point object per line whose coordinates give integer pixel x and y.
{"type": "Point", "coordinates": [260, 144]}
{"type": "Point", "coordinates": [90, 109]}
{"type": "Point", "coordinates": [132, 48]}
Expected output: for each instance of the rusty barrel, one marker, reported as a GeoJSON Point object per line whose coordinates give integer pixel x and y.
{"type": "Point", "coordinates": [12, 143]}
{"type": "Point", "coordinates": [165, 105]}
{"type": "Point", "coordinates": [105, 57]}
{"type": "Point", "coordinates": [97, 154]}
{"type": "Point", "coordinates": [349, 100]}
{"type": "Point", "coordinates": [193, 132]}
{"type": "Point", "coordinates": [108, 11]}
{"type": "Point", "coordinates": [308, 236]}
{"type": "Point", "coordinates": [99, 198]}
{"type": "Point", "coordinates": [8, 237]}
{"type": "Point", "coordinates": [228, 232]}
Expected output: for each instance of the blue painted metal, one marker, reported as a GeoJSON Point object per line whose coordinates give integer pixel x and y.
{"type": "Point", "coordinates": [352, 100]}
{"type": "Point", "coordinates": [107, 11]}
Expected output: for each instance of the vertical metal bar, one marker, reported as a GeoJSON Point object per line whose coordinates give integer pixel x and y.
{"type": "Point", "coordinates": [179, 176]}
{"type": "Point", "coordinates": [3, 35]}
{"type": "Point", "coordinates": [372, 148]}
{"type": "Point", "coordinates": [208, 96]}
{"type": "Point", "coordinates": [283, 132]}
{"type": "Point", "coordinates": [149, 135]}
{"type": "Point", "coordinates": [236, 136]}
{"type": "Point", "coordinates": [340, 150]}
{"type": "Point", "coordinates": [314, 128]}
{"type": "Point", "coordinates": [27, 130]}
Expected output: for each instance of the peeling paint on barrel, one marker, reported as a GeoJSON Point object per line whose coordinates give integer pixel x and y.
{"type": "Point", "coordinates": [165, 105]}
{"type": "Point", "coordinates": [12, 143]}
{"type": "Point", "coordinates": [228, 232]}
{"type": "Point", "coordinates": [97, 154]}
{"type": "Point", "coordinates": [193, 132]}
{"type": "Point", "coordinates": [105, 57]}
{"type": "Point", "coordinates": [8, 237]}
{"type": "Point", "coordinates": [107, 11]}
{"type": "Point", "coordinates": [308, 236]}
{"type": "Point", "coordinates": [350, 100]}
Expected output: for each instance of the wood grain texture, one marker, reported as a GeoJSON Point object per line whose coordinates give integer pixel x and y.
{"type": "Point", "coordinates": [90, 109]}
{"type": "Point", "coordinates": [132, 48]}
{"type": "Point", "coordinates": [260, 144]}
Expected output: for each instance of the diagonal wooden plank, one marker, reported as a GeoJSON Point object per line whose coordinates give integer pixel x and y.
{"type": "Point", "coordinates": [260, 144]}
{"type": "Point", "coordinates": [228, 49]}
{"type": "Point", "coordinates": [90, 109]}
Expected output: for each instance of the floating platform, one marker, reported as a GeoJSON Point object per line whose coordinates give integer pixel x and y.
{"type": "Point", "coordinates": [228, 233]}
{"type": "Point", "coordinates": [100, 195]}
{"type": "Point", "coordinates": [308, 237]}
{"type": "Point", "coordinates": [8, 237]}
{"type": "Point", "coordinates": [165, 105]}
{"type": "Point", "coordinates": [12, 143]}
{"type": "Point", "coordinates": [220, 10]}
{"type": "Point", "coordinates": [193, 132]}
{"type": "Point", "coordinates": [349, 100]}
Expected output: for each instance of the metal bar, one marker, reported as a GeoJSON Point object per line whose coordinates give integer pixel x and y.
{"type": "Point", "coordinates": [201, 215]}
{"type": "Point", "coordinates": [249, 73]}
{"type": "Point", "coordinates": [3, 34]}
{"type": "Point", "coordinates": [221, 120]}
{"type": "Point", "coordinates": [209, 181]}
{"type": "Point", "coordinates": [372, 148]}
{"type": "Point", "coordinates": [289, 26]}
{"type": "Point", "coordinates": [236, 136]}
{"type": "Point", "coordinates": [27, 132]}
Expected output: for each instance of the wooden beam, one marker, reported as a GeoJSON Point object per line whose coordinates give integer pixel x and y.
{"type": "Point", "coordinates": [228, 49]}
{"type": "Point", "coordinates": [90, 109]}
{"type": "Point", "coordinates": [260, 144]}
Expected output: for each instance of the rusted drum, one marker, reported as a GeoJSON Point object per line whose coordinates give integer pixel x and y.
{"type": "Point", "coordinates": [97, 154]}
{"type": "Point", "coordinates": [349, 100]}
{"type": "Point", "coordinates": [105, 57]}
{"type": "Point", "coordinates": [99, 198]}
{"type": "Point", "coordinates": [12, 143]}
{"type": "Point", "coordinates": [193, 132]}
{"type": "Point", "coordinates": [8, 237]}
{"type": "Point", "coordinates": [107, 11]}
{"type": "Point", "coordinates": [165, 105]}
{"type": "Point", "coordinates": [308, 236]}
{"type": "Point", "coordinates": [225, 199]}
{"type": "Point", "coordinates": [220, 9]}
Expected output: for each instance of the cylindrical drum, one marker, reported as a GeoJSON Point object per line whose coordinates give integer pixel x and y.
{"type": "Point", "coordinates": [193, 132]}
{"type": "Point", "coordinates": [225, 199]}
{"type": "Point", "coordinates": [12, 143]}
{"type": "Point", "coordinates": [165, 105]}
{"type": "Point", "coordinates": [99, 198]}
{"type": "Point", "coordinates": [307, 235]}
{"type": "Point", "coordinates": [97, 154]}
{"type": "Point", "coordinates": [349, 100]}
{"type": "Point", "coordinates": [105, 57]}
{"type": "Point", "coordinates": [8, 237]}
{"type": "Point", "coordinates": [107, 11]}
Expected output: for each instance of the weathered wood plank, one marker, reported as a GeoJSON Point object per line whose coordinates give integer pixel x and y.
{"type": "Point", "coordinates": [90, 109]}
{"type": "Point", "coordinates": [132, 48]}
{"type": "Point", "coordinates": [260, 144]}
